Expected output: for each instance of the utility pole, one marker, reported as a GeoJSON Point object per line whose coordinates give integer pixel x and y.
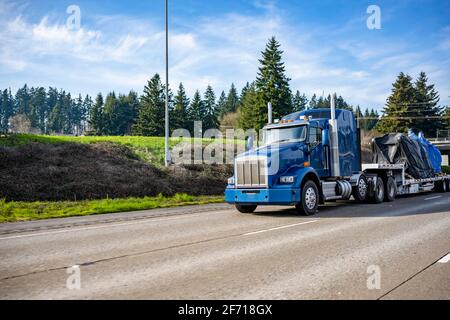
{"type": "Point", "coordinates": [167, 151]}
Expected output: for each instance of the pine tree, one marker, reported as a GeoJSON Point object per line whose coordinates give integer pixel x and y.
{"type": "Point", "coordinates": [244, 92]}
{"type": "Point", "coordinates": [196, 110]}
{"type": "Point", "coordinates": [221, 105]}
{"type": "Point", "coordinates": [180, 115]}
{"type": "Point", "coordinates": [7, 109]}
{"type": "Point", "coordinates": [299, 102]}
{"type": "Point", "coordinates": [313, 102]}
{"type": "Point", "coordinates": [85, 112]}
{"type": "Point", "coordinates": [426, 110]}
{"type": "Point", "coordinates": [96, 117]}
{"type": "Point", "coordinates": [272, 84]}
{"type": "Point", "coordinates": [23, 101]}
{"type": "Point", "coordinates": [232, 101]}
{"type": "Point", "coordinates": [150, 121]}
{"type": "Point", "coordinates": [251, 117]}
{"type": "Point", "coordinates": [398, 110]}
{"type": "Point", "coordinates": [210, 120]}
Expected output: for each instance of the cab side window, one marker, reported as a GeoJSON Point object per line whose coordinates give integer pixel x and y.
{"type": "Point", "coordinates": [315, 136]}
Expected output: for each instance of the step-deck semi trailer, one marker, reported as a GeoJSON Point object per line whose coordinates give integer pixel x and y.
{"type": "Point", "coordinates": [312, 157]}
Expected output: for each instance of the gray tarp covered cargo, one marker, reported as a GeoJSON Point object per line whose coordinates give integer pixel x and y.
{"type": "Point", "coordinates": [397, 148]}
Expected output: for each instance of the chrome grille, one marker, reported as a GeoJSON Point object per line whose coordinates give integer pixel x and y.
{"type": "Point", "coordinates": [251, 172]}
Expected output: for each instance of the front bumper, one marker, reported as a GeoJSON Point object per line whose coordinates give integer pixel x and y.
{"type": "Point", "coordinates": [281, 196]}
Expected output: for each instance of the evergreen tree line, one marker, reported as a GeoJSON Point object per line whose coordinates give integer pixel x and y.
{"type": "Point", "coordinates": [411, 105]}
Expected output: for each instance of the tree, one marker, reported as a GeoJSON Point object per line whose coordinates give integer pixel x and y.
{"type": "Point", "coordinates": [221, 105]}
{"type": "Point", "coordinates": [398, 110]}
{"type": "Point", "coordinates": [272, 85]}
{"type": "Point", "coordinates": [251, 117]}
{"type": "Point", "coordinates": [232, 101]}
{"type": "Point", "coordinates": [299, 102]}
{"type": "Point", "coordinates": [428, 114]}
{"type": "Point", "coordinates": [150, 121]}
{"type": "Point", "coordinates": [96, 117]}
{"type": "Point", "coordinates": [7, 109]}
{"type": "Point", "coordinates": [210, 120]}
{"type": "Point", "coordinates": [313, 102]}
{"type": "Point", "coordinates": [23, 100]}
{"type": "Point", "coordinates": [180, 115]}
{"type": "Point", "coordinates": [196, 109]}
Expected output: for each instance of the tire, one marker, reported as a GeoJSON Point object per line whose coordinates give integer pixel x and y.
{"type": "Point", "coordinates": [361, 189]}
{"type": "Point", "coordinates": [441, 186]}
{"type": "Point", "coordinates": [378, 192]}
{"type": "Point", "coordinates": [309, 202]}
{"type": "Point", "coordinates": [390, 188]}
{"type": "Point", "coordinates": [246, 208]}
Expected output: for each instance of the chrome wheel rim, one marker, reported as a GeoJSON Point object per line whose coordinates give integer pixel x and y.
{"type": "Point", "coordinates": [362, 187]}
{"type": "Point", "coordinates": [310, 198]}
{"type": "Point", "coordinates": [380, 192]}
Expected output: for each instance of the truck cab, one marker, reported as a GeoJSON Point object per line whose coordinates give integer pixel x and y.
{"type": "Point", "coordinates": [307, 158]}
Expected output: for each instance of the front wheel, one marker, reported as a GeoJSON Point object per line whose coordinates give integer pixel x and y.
{"type": "Point", "coordinates": [309, 203]}
{"type": "Point", "coordinates": [246, 208]}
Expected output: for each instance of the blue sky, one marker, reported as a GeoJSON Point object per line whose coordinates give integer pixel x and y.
{"type": "Point", "coordinates": [327, 45]}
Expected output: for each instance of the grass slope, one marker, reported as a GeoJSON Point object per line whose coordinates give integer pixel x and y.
{"type": "Point", "coordinates": [25, 211]}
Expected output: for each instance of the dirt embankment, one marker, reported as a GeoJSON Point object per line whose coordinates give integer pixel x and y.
{"type": "Point", "coordinates": [70, 171]}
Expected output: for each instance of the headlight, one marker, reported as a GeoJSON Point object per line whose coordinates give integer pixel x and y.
{"type": "Point", "coordinates": [231, 180]}
{"type": "Point", "coordinates": [288, 179]}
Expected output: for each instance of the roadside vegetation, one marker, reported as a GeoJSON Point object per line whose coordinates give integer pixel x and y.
{"type": "Point", "coordinates": [25, 211]}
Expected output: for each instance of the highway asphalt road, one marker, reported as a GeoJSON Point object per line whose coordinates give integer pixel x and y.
{"type": "Point", "coordinates": [348, 251]}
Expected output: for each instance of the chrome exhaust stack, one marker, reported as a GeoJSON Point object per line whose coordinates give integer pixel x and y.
{"type": "Point", "coordinates": [334, 140]}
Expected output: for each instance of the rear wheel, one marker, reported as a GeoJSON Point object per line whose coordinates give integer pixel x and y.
{"type": "Point", "coordinates": [390, 188]}
{"type": "Point", "coordinates": [378, 192]}
{"type": "Point", "coordinates": [441, 186]}
{"type": "Point", "coordinates": [309, 203]}
{"type": "Point", "coordinates": [359, 191]}
{"type": "Point", "coordinates": [246, 208]}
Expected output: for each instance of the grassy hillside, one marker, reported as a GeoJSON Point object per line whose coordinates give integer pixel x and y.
{"type": "Point", "coordinates": [24, 211]}
{"type": "Point", "coordinates": [56, 176]}
{"type": "Point", "coordinates": [149, 149]}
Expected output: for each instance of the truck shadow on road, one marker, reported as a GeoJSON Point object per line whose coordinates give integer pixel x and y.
{"type": "Point", "coordinates": [426, 203]}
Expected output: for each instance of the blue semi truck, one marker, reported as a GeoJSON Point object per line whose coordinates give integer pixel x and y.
{"type": "Point", "coordinates": [314, 156]}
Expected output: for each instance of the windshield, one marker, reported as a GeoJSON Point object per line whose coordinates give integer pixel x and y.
{"type": "Point", "coordinates": [288, 134]}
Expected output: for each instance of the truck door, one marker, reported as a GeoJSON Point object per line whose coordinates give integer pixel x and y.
{"type": "Point", "coordinates": [316, 156]}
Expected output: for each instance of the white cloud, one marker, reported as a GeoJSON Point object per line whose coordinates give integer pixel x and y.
{"type": "Point", "coordinates": [121, 53]}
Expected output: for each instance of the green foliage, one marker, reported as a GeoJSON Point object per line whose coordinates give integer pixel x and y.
{"type": "Point", "coordinates": [25, 211]}
{"type": "Point", "coordinates": [210, 118]}
{"type": "Point", "coordinates": [299, 102]}
{"type": "Point", "coordinates": [272, 84]}
{"type": "Point", "coordinates": [180, 114]}
{"type": "Point", "coordinates": [150, 121]}
{"type": "Point", "coordinates": [412, 106]}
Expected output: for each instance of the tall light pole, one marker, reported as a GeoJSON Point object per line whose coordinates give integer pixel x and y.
{"type": "Point", "coordinates": [167, 151]}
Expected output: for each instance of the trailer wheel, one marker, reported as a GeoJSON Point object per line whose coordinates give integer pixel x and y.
{"type": "Point", "coordinates": [360, 191]}
{"type": "Point", "coordinates": [309, 202]}
{"type": "Point", "coordinates": [246, 208]}
{"type": "Point", "coordinates": [441, 186]}
{"type": "Point", "coordinates": [378, 192]}
{"type": "Point", "coordinates": [390, 188]}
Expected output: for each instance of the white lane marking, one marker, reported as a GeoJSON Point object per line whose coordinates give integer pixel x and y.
{"type": "Point", "coordinates": [101, 227]}
{"type": "Point", "coordinates": [445, 259]}
{"type": "Point", "coordinates": [279, 228]}
{"type": "Point", "coordinates": [433, 198]}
